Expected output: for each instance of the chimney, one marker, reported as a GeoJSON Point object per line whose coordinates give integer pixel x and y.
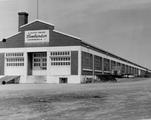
{"type": "Point", "coordinates": [22, 19]}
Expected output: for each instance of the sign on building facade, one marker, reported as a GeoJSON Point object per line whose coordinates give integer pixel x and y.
{"type": "Point", "coordinates": [36, 36]}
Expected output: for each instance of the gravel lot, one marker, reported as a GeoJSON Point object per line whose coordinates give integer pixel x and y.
{"type": "Point", "coordinates": [104, 101]}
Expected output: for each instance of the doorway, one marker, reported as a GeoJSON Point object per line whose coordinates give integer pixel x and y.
{"type": "Point", "coordinates": [37, 63]}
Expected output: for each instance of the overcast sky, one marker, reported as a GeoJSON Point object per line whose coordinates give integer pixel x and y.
{"type": "Point", "coordinates": [122, 27]}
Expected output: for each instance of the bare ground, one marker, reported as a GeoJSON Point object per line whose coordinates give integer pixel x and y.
{"type": "Point", "coordinates": [105, 101]}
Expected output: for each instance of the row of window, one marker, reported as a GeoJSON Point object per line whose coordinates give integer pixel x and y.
{"type": "Point", "coordinates": [40, 55]}
{"type": "Point", "coordinates": [40, 59]}
{"type": "Point", "coordinates": [15, 64]}
{"type": "Point", "coordinates": [14, 54]}
{"type": "Point", "coordinates": [60, 59]}
{"type": "Point", "coordinates": [39, 64]}
{"type": "Point", "coordinates": [14, 59]}
{"type": "Point", "coordinates": [60, 63]}
{"type": "Point", "coordinates": [87, 63]}
{"type": "Point", "coordinates": [60, 53]}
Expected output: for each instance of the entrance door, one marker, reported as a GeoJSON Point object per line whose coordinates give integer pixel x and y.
{"type": "Point", "coordinates": [39, 63]}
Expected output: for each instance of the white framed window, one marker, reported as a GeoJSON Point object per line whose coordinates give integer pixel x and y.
{"type": "Point", "coordinates": [14, 59]}
{"type": "Point", "coordinates": [60, 58]}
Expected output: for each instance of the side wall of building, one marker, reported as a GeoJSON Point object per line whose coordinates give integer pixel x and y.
{"type": "Point", "coordinates": [95, 63]}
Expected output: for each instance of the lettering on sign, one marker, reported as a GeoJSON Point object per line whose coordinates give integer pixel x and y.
{"type": "Point", "coordinates": [37, 36]}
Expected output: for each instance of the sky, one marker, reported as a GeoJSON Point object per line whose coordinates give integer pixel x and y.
{"type": "Point", "coordinates": [122, 27]}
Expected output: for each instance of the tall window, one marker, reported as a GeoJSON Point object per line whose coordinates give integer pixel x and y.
{"type": "Point", "coordinates": [87, 60]}
{"type": "Point", "coordinates": [123, 68]}
{"type": "Point", "coordinates": [113, 64]}
{"type": "Point", "coordinates": [106, 64]}
{"type": "Point", "coordinates": [97, 63]}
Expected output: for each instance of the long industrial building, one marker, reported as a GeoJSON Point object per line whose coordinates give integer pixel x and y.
{"type": "Point", "coordinates": [40, 54]}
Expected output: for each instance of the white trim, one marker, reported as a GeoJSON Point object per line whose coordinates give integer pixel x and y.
{"type": "Point", "coordinates": [107, 71]}
{"type": "Point", "coordinates": [88, 50]}
{"type": "Point", "coordinates": [79, 61]}
{"type": "Point", "coordinates": [67, 34]}
{"type": "Point", "coordinates": [13, 35]}
{"type": "Point", "coordinates": [87, 69]}
{"type": "Point", "coordinates": [98, 70]}
{"type": "Point", "coordinates": [35, 21]}
{"type": "Point", "coordinates": [37, 49]}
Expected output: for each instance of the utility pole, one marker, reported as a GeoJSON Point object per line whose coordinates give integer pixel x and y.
{"type": "Point", "coordinates": [37, 9]}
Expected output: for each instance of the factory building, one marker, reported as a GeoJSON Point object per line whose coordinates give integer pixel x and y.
{"type": "Point", "coordinates": [40, 54]}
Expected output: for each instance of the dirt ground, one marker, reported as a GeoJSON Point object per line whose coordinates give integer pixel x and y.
{"type": "Point", "coordinates": [104, 101]}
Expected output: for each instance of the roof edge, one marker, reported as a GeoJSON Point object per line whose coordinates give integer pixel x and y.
{"type": "Point", "coordinates": [67, 34]}
{"type": "Point", "coordinates": [12, 35]}
{"type": "Point", "coordinates": [120, 58]}
{"type": "Point", "coordinates": [35, 21]}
